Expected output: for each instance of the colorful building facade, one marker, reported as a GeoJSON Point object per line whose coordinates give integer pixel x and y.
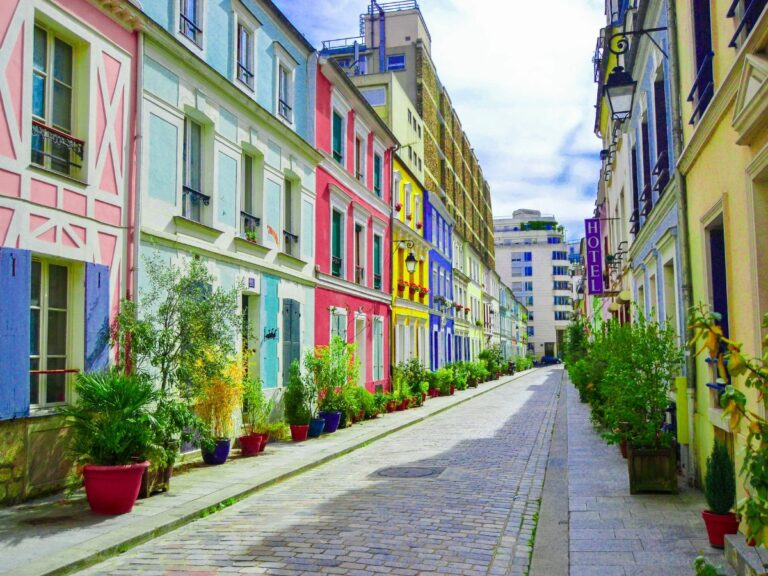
{"type": "Point", "coordinates": [67, 218]}
{"type": "Point", "coordinates": [353, 236]}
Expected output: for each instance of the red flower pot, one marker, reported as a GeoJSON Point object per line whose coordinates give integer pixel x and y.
{"type": "Point", "coordinates": [423, 396]}
{"type": "Point", "coordinates": [390, 406]}
{"type": "Point", "coordinates": [718, 525]}
{"type": "Point", "coordinates": [623, 449]}
{"type": "Point", "coordinates": [299, 432]}
{"type": "Point", "coordinates": [264, 440]}
{"type": "Point", "coordinates": [453, 389]}
{"type": "Point", "coordinates": [112, 490]}
{"type": "Point", "coordinates": [250, 445]}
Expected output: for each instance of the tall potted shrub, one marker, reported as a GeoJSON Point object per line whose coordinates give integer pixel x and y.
{"type": "Point", "coordinates": [218, 395]}
{"type": "Point", "coordinates": [256, 410]}
{"type": "Point", "coordinates": [720, 492]}
{"type": "Point", "coordinates": [113, 437]}
{"type": "Point", "coordinates": [296, 404]}
{"type": "Point", "coordinates": [335, 369]}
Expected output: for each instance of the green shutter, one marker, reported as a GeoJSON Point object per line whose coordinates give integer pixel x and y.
{"type": "Point", "coordinates": [377, 255]}
{"type": "Point", "coordinates": [337, 121]}
{"type": "Point", "coordinates": [336, 244]}
{"type": "Point", "coordinates": [377, 174]}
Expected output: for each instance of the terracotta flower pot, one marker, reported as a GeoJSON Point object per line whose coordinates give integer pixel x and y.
{"type": "Point", "coordinates": [718, 525]}
{"type": "Point", "coordinates": [299, 432]}
{"type": "Point", "coordinates": [250, 445]}
{"type": "Point", "coordinates": [113, 490]}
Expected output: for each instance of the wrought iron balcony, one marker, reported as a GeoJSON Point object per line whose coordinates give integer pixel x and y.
{"type": "Point", "coordinates": [661, 172]}
{"type": "Point", "coordinates": [248, 225]}
{"type": "Point", "coordinates": [646, 200]}
{"type": "Point", "coordinates": [747, 16]}
{"type": "Point", "coordinates": [192, 203]}
{"type": "Point", "coordinates": [336, 264]}
{"type": "Point", "coordinates": [703, 89]}
{"type": "Point", "coordinates": [55, 149]}
{"type": "Point", "coordinates": [244, 75]}
{"type": "Point", "coordinates": [634, 219]}
{"type": "Point", "coordinates": [291, 242]}
{"type": "Point", "coordinates": [377, 281]}
{"type": "Point", "coordinates": [359, 275]}
{"type": "Point", "coordinates": [190, 29]}
{"type": "Point", "coordinates": [285, 110]}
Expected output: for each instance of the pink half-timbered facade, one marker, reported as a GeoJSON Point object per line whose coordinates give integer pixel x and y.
{"type": "Point", "coordinates": [353, 211]}
{"type": "Point", "coordinates": [68, 72]}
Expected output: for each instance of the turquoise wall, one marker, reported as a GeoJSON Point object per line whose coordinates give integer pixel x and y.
{"type": "Point", "coordinates": [270, 306]}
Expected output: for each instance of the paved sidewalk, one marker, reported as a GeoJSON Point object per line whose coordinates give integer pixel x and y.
{"type": "Point", "coordinates": [59, 534]}
{"type": "Point", "coordinates": [614, 534]}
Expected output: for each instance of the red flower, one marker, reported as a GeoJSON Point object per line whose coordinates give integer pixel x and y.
{"type": "Point", "coordinates": [398, 207]}
{"type": "Point", "coordinates": [418, 225]}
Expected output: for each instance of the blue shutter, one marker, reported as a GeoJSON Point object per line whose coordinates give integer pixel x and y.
{"type": "Point", "coordinates": [15, 283]}
{"type": "Point", "coordinates": [96, 317]}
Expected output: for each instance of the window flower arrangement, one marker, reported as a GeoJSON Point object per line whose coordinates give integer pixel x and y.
{"type": "Point", "coordinates": [398, 207]}
{"type": "Point", "coordinates": [418, 225]}
{"type": "Point", "coordinates": [401, 285]}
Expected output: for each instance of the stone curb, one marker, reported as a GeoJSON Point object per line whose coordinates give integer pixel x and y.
{"type": "Point", "coordinates": [116, 542]}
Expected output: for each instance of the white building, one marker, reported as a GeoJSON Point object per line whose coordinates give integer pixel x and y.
{"type": "Point", "coordinates": [532, 259]}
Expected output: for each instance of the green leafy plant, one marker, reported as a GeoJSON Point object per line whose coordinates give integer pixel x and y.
{"type": "Point", "coordinates": [703, 568]}
{"type": "Point", "coordinates": [112, 420]}
{"type": "Point", "coordinates": [493, 357]}
{"type": "Point", "coordinates": [256, 407]}
{"type": "Point", "coordinates": [445, 378]}
{"type": "Point", "coordinates": [296, 398]}
{"type": "Point", "coordinates": [720, 480]}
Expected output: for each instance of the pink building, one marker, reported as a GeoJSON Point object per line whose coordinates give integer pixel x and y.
{"type": "Point", "coordinates": [67, 192]}
{"type": "Point", "coordinates": [353, 215]}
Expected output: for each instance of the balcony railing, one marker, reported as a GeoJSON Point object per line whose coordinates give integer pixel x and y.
{"type": "Point", "coordinates": [244, 75]}
{"type": "Point", "coordinates": [248, 226]}
{"type": "Point", "coordinates": [749, 17]}
{"type": "Point", "coordinates": [377, 281]}
{"type": "Point", "coordinates": [634, 219]}
{"type": "Point", "coordinates": [192, 203]}
{"type": "Point", "coordinates": [646, 200]}
{"type": "Point", "coordinates": [359, 275]}
{"type": "Point", "coordinates": [336, 263]}
{"type": "Point", "coordinates": [343, 44]}
{"type": "Point", "coordinates": [597, 59]}
{"type": "Point", "coordinates": [56, 150]}
{"type": "Point", "coordinates": [661, 172]}
{"type": "Point", "coordinates": [291, 242]}
{"type": "Point", "coordinates": [703, 89]}
{"type": "Point", "coordinates": [285, 110]}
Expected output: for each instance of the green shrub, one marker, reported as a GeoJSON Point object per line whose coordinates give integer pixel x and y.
{"type": "Point", "coordinates": [445, 378]}
{"type": "Point", "coordinates": [296, 398]}
{"type": "Point", "coordinates": [720, 480]}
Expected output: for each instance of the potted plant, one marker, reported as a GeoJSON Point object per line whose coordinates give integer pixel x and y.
{"type": "Point", "coordinates": [335, 368]}
{"type": "Point", "coordinates": [398, 207]}
{"type": "Point", "coordinates": [401, 285]}
{"type": "Point", "coordinates": [112, 437]}
{"type": "Point", "coordinates": [720, 492]}
{"type": "Point", "coordinates": [218, 396]}
{"type": "Point", "coordinates": [296, 404]}
{"type": "Point", "coordinates": [256, 411]}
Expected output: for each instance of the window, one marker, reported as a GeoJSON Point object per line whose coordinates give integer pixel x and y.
{"type": "Point", "coordinates": [378, 171]}
{"type": "Point", "coordinates": [378, 348]}
{"type": "Point", "coordinates": [49, 318]}
{"type": "Point", "coordinates": [661, 168]}
{"type": "Point", "coordinates": [375, 96]}
{"type": "Point", "coordinates": [245, 55]}
{"type": "Point", "coordinates": [746, 13]}
{"type": "Point", "coordinates": [530, 316]}
{"type": "Point", "coordinates": [528, 271]}
{"type": "Point", "coordinates": [562, 301]}
{"type": "Point", "coordinates": [434, 230]}
{"type": "Point", "coordinates": [531, 331]}
{"type": "Point", "coordinates": [562, 315]}
{"type": "Point", "coordinates": [190, 20]}
{"type": "Point", "coordinates": [554, 240]}
{"type": "Point", "coordinates": [408, 212]}
{"type": "Point", "coordinates": [284, 93]}
{"type": "Point", "coordinates": [337, 241]}
{"type": "Point", "coordinates": [338, 137]}
{"type": "Point", "coordinates": [53, 77]}
{"type": "Point", "coordinates": [703, 85]}
{"type": "Point", "coordinates": [360, 157]}
{"type": "Point", "coordinates": [557, 255]}
{"type": "Point", "coordinates": [250, 206]}
{"type": "Point", "coordinates": [378, 243]}
{"type": "Point", "coordinates": [338, 324]}
{"type": "Point", "coordinates": [360, 254]}
{"type": "Point", "coordinates": [562, 285]}
{"type": "Point", "coordinates": [560, 270]}
{"type": "Point", "coordinates": [289, 216]}
{"type": "Point", "coordinates": [193, 198]}
{"type": "Point", "coordinates": [529, 300]}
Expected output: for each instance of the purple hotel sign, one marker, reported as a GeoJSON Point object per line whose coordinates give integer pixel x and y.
{"type": "Point", "coordinates": [594, 256]}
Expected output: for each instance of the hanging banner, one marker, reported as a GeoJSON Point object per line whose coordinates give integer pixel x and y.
{"type": "Point", "coordinates": [594, 256]}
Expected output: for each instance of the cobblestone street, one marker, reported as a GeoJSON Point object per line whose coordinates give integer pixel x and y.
{"type": "Point", "coordinates": [474, 513]}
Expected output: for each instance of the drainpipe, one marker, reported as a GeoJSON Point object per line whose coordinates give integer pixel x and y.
{"type": "Point", "coordinates": [683, 236]}
{"type": "Point", "coordinates": [136, 223]}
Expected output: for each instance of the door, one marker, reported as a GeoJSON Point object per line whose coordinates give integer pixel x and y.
{"type": "Point", "coordinates": [291, 335]}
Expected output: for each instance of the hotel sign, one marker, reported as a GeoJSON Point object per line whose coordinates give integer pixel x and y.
{"type": "Point", "coordinates": [594, 256]}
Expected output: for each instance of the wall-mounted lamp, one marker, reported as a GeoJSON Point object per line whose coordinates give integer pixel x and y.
{"type": "Point", "coordinates": [410, 260]}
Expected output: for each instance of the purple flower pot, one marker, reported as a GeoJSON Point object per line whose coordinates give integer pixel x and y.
{"type": "Point", "coordinates": [332, 420]}
{"type": "Point", "coordinates": [219, 454]}
{"type": "Point", "coordinates": [316, 426]}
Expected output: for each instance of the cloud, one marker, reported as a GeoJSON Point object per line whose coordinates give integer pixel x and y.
{"type": "Point", "coordinates": [520, 77]}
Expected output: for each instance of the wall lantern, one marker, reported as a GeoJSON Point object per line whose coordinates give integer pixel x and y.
{"type": "Point", "coordinates": [620, 90]}
{"type": "Point", "coordinates": [410, 263]}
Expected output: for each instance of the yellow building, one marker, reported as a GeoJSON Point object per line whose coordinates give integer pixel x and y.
{"type": "Point", "coordinates": [410, 290]}
{"type": "Point", "coordinates": [724, 72]}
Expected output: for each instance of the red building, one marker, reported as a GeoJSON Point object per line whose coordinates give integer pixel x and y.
{"type": "Point", "coordinates": [353, 215]}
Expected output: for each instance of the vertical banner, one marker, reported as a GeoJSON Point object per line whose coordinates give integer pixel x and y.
{"type": "Point", "coordinates": [594, 256]}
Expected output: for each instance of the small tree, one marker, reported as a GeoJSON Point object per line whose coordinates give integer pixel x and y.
{"type": "Point", "coordinates": [720, 481]}
{"type": "Point", "coordinates": [296, 398]}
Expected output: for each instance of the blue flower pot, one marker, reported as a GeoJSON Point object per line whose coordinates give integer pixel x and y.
{"type": "Point", "coordinates": [219, 454]}
{"type": "Point", "coordinates": [332, 420]}
{"type": "Point", "coordinates": [316, 426]}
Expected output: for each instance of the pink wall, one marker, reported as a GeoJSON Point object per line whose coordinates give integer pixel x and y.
{"type": "Point", "coordinates": [325, 299]}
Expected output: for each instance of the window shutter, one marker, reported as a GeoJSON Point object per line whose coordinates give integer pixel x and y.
{"type": "Point", "coordinates": [15, 282]}
{"type": "Point", "coordinates": [377, 255]}
{"type": "Point", "coordinates": [96, 317]}
{"type": "Point", "coordinates": [296, 330]}
{"type": "Point", "coordinates": [337, 134]}
{"type": "Point", "coordinates": [287, 358]}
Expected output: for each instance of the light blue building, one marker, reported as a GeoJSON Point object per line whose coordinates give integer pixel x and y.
{"type": "Point", "coordinates": [227, 169]}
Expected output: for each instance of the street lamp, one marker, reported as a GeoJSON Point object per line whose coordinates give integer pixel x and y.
{"type": "Point", "coordinates": [410, 260]}
{"type": "Point", "coordinates": [620, 90]}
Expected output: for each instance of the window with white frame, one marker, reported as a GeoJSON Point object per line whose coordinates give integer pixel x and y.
{"type": "Point", "coordinates": [338, 137]}
{"type": "Point", "coordinates": [360, 157]}
{"type": "Point", "coordinates": [339, 323]}
{"type": "Point", "coordinates": [53, 94]}
{"type": "Point", "coordinates": [193, 198]}
{"type": "Point", "coordinates": [378, 263]}
{"type": "Point", "coordinates": [408, 212]}
{"type": "Point", "coordinates": [360, 251]}
{"type": "Point", "coordinates": [337, 243]}
{"type": "Point", "coordinates": [290, 217]}
{"type": "Point", "coordinates": [284, 78]}
{"type": "Point", "coordinates": [191, 20]}
{"type": "Point", "coordinates": [250, 201]}
{"type": "Point", "coordinates": [378, 174]}
{"type": "Point", "coordinates": [244, 57]}
{"type": "Point", "coordinates": [378, 348]}
{"type": "Point", "coordinates": [395, 188]}
{"type": "Point", "coordinates": [49, 324]}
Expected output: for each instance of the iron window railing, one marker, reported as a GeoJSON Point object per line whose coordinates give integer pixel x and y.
{"type": "Point", "coordinates": [291, 242]}
{"type": "Point", "coordinates": [192, 203]}
{"type": "Point", "coordinates": [377, 281]}
{"type": "Point", "coordinates": [634, 219]}
{"type": "Point", "coordinates": [703, 89]}
{"type": "Point", "coordinates": [359, 275]}
{"type": "Point", "coordinates": [336, 263]}
{"type": "Point", "coordinates": [55, 149]}
{"type": "Point", "coordinates": [248, 225]}
{"type": "Point", "coordinates": [661, 172]}
{"type": "Point", "coordinates": [244, 75]}
{"type": "Point", "coordinates": [285, 110]}
{"type": "Point", "coordinates": [189, 28]}
{"type": "Point", "coordinates": [749, 16]}
{"type": "Point", "coordinates": [646, 200]}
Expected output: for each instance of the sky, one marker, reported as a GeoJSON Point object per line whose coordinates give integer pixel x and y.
{"type": "Point", "coordinates": [519, 74]}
